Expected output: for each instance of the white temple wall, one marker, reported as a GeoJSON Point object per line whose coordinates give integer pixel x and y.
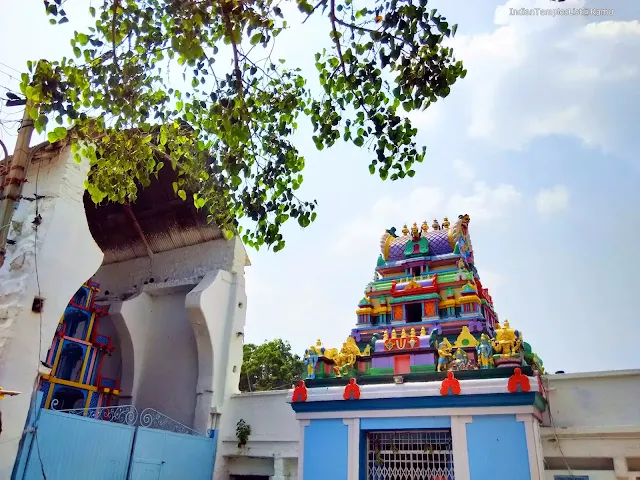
{"type": "Point", "coordinates": [273, 444]}
{"type": "Point", "coordinates": [596, 416]}
{"type": "Point", "coordinates": [66, 256]}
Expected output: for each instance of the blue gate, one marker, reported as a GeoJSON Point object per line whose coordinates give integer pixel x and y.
{"type": "Point", "coordinates": [106, 444]}
{"type": "Point", "coordinates": [159, 455]}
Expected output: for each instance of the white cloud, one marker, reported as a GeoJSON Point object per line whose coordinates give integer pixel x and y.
{"type": "Point", "coordinates": [464, 170]}
{"type": "Point", "coordinates": [535, 76]}
{"type": "Point", "coordinates": [481, 202]}
{"type": "Point", "coordinates": [612, 29]}
{"type": "Point", "coordinates": [552, 200]}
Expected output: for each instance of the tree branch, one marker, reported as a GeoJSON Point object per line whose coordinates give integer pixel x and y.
{"type": "Point", "coordinates": [321, 2]}
{"type": "Point", "coordinates": [113, 34]}
{"type": "Point", "coordinates": [336, 39]}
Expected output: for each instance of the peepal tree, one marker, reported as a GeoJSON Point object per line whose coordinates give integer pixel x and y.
{"type": "Point", "coordinates": [228, 135]}
{"type": "Point", "coordinates": [270, 366]}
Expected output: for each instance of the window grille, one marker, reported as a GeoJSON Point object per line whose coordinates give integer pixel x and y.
{"type": "Point", "coordinates": [410, 455]}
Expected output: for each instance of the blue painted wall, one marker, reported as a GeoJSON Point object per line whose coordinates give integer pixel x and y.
{"type": "Point", "coordinates": [326, 450]}
{"type": "Point", "coordinates": [497, 447]}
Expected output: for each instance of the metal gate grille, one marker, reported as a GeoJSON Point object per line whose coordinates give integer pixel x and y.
{"type": "Point", "coordinates": [410, 455]}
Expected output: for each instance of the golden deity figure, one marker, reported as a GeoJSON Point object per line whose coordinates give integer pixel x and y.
{"type": "Point", "coordinates": [425, 226]}
{"type": "Point", "coordinates": [414, 230]}
{"type": "Point", "coordinates": [444, 354]}
{"type": "Point", "coordinates": [347, 356]}
{"type": "Point", "coordinates": [507, 342]}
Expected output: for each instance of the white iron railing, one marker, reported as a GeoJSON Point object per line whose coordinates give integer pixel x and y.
{"type": "Point", "coordinates": [128, 415]}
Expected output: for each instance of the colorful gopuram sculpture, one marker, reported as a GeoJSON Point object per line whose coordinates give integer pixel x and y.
{"type": "Point", "coordinates": [76, 356]}
{"type": "Point", "coordinates": [426, 311]}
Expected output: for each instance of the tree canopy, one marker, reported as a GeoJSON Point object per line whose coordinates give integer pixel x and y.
{"type": "Point", "coordinates": [270, 366]}
{"type": "Point", "coordinates": [228, 134]}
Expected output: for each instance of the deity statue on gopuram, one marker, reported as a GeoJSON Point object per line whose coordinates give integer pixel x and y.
{"type": "Point", "coordinates": [424, 314]}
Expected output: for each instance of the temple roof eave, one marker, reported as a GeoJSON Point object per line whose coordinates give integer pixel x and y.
{"type": "Point", "coordinates": [415, 298]}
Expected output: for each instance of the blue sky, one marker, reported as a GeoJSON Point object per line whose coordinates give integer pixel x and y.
{"type": "Point", "coordinates": [538, 145]}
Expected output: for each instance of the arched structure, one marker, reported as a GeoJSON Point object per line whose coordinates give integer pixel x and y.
{"type": "Point", "coordinates": [173, 285]}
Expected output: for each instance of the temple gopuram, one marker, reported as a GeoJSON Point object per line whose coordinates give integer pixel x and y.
{"type": "Point", "coordinates": [76, 383]}
{"type": "Point", "coordinates": [430, 384]}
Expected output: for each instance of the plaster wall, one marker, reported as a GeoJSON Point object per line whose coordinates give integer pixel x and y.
{"type": "Point", "coordinates": [594, 399]}
{"type": "Point", "coordinates": [66, 256]}
{"type": "Point", "coordinates": [173, 268]}
{"type": "Point", "coordinates": [165, 365]}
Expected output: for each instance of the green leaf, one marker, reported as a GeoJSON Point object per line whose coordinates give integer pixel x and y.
{"type": "Point", "coordinates": [60, 132]}
{"type": "Point", "coordinates": [232, 134]}
{"type": "Point", "coordinates": [228, 234]}
{"type": "Point", "coordinates": [255, 39]}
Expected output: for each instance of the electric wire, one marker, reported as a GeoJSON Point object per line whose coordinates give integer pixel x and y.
{"type": "Point", "coordinates": [553, 429]}
{"type": "Point", "coordinates": [35, 260]}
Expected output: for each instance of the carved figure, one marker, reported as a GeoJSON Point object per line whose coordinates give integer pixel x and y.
{"type": "Point", "coordinates": [310, 359]}
{"type": "Point", "coordinates": [444, 355]}
{"type": "Point", "coordinates": [485, 352]}
{"type": "Point", "coordinates": [372, 343]}
{"type": "Point", "coordinates": [507, 341]}
{"type": "Point", "coordinates": [460, 359]}
{"type": "Point", "coordinates": [347, 356]}
{"type": "Point", "coordinates": [461, 241]}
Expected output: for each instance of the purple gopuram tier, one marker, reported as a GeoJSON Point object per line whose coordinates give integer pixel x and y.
{"type": "Point", "coordinates": [438, 244]}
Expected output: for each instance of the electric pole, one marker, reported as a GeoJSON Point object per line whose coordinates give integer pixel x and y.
{"type": "Point", "coordinates": [15, 169]}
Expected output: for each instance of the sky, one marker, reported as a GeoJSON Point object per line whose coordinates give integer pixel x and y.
{"type": "Point", "coordinates": [538, 144]}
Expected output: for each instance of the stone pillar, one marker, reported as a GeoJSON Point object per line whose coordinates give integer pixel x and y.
{"type": "Point", "coordinates": [279, 470]}
{"type": "Point", "coordinates": [217, 310]}
{"type": "Point", "coordinates": [52, 262]}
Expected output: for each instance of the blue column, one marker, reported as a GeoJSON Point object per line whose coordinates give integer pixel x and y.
{"type": "Point", "coordinates": [497, 446]}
